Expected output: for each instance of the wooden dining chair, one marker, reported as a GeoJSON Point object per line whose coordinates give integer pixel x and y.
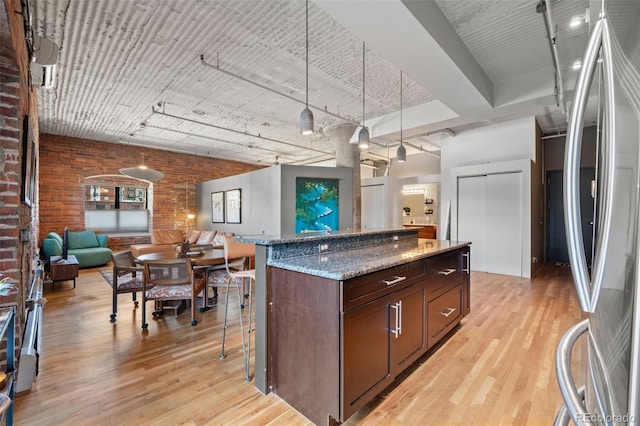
{"type": "Point", "coordinates": [125, 277]}
{"type": "Point", "coordinates": [233, 252]}
{"type": "Point", "coordinates": [171, 279]}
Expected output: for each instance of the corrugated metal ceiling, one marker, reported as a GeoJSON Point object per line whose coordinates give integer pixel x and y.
{"type": "Point", "coordinates": [119, 59]}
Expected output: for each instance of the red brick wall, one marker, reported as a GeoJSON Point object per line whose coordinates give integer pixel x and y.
{"type": "Point", "coordinates": [17, 99]}
{"type": "Point", "coordinates": [66, 162]}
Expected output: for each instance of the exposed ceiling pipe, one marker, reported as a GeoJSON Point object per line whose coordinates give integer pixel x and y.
{"type": "Point", "coordinates": [181, 132]}
{"type": "Point", "coordinates": [258, 136]}
{"type": "Point", "coordinates": [270, 89]}
{"type": "Point", "coordinates": [544, 7]}
{"type": "Point", "coordinates": [433, 154]}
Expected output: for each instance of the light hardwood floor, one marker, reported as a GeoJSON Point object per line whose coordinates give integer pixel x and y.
{"type": "Point", "coordinates": [497, 368]}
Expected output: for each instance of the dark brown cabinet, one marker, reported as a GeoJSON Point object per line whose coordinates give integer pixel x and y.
{"type": "Point", "coordinates": [335, 345]}
{"type": "Point", "coordinates": [380, 339]}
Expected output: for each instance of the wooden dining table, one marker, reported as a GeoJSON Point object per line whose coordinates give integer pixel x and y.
{"type": "Point", "coordinates": [205, 257]}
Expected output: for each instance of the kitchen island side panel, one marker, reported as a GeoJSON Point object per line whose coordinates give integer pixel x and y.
{"type": "Point", "coordinates": [304, 342]}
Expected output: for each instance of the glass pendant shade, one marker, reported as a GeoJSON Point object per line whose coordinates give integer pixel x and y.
{"type": "Point", "coordinates": [363, 138]}
{"type": "Point", "coordinates": [306, 122]}
{"type": "Point", "coordinates": [401, 154]}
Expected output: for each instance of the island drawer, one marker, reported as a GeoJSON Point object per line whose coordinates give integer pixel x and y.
{"type": "Point", "coordinates": [366, 288]}
{"type": "Point", "coordinates": [444, 272]}
{"type": "Point", "coordinates": [443, 313]}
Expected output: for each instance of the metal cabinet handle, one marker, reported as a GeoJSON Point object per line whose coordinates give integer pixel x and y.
{"type": "Point", "coordinates": [448, 312]}
{"type": "Point", "coordinates": [398, 316]}
{"type": "Point", "coordinates": [570, 395]}
{"type": "Point", "coordinates": [395, 280]}
{"type": "Point", "coordinates": [448, 271]}
{"type": "Point", "coordinates": [588, 295]}
{"type": "Point", "coordinates": [468, 266]}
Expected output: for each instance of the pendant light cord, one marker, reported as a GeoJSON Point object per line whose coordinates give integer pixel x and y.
{"type": "Point", "coordinates": [400, 107]}
{"type": "Point", "coordinates": [363, 84]}
{"type": "Point", "coordinates": [307, 54]}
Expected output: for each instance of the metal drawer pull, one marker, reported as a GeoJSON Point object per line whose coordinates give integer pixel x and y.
{"type": "Point", "coordinates": [447, 271]}
{"type": "Point", "coordinates": [449, 312]}
{"type": "Point", "coordinates": [395, 280]}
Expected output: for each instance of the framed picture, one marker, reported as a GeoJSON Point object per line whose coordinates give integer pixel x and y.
{"type": "Point", "coordinates": [217, 207]}
{"type": "Point", "coordinates": [28, 163]}
{"type": "Point", "coordinates": [233, 200]}
{"type": "Point", "coordinates": [317, 204]}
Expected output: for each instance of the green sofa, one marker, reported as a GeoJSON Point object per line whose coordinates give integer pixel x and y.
{"type": "Point", "coordinates": [90, 249]}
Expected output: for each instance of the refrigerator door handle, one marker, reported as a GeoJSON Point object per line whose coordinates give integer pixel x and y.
{"type": "Point", "coordinates": [563, 417]}
{"type": "Point", "coordinates": [588, 295]}
{"type": "Point", "coordinates": [570, 394]}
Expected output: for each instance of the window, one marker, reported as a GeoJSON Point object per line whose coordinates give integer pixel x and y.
{"type": "Point", "coordinates": [116, 209]}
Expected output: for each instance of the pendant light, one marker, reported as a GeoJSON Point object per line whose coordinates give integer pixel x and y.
{"type": "Point", "coordinates": [142, 171]}
{"type": "Point", "coordinates": [401, 154]}
{"type": "Point", "coordinates": [363, 136]}
{"type": "Point", "coordinates": [306, 117]}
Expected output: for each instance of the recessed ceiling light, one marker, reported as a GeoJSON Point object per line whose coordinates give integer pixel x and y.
{"type": "Point", "coordinates": [577, 64]}
{"type": "Point", "coordinates": [575, 21]}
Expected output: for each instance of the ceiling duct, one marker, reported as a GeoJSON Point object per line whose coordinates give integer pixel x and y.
{"type": "Point", "coordinates": [44, 58]}
{"type": "Point", "coordinates": [45, 51]}
{"type": "Point", "coordinates": [544, 7]}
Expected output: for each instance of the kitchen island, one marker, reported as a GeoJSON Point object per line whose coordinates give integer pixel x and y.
{"type": "Point", "coordinates": [339, 316]}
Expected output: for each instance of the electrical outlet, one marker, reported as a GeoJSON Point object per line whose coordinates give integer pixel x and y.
{"type": "Point", "coordinates": [323, 247]}
{"type": "Point", "coordinates": [396, 238]}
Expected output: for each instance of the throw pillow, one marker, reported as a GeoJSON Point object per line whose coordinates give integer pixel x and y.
{"type": "Point", "coordinates": [206, 237]}
{"type": "Point", "coordinates": [193, 236]}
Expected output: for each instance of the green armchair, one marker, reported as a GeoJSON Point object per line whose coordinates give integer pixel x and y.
{"type": "Point", "coordinates": [90, 249]}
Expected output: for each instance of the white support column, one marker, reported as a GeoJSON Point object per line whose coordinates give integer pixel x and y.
{"type": "Point", "coordinates": [348, 155]}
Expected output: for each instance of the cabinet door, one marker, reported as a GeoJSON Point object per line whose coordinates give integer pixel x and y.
{"type": "Point", "coordinates": [406, 326]}
{"type": "Point", "coordinates": [366, 354]}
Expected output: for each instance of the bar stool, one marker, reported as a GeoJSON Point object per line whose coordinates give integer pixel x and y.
{"type": "Point", "coordinates": [234, 250]}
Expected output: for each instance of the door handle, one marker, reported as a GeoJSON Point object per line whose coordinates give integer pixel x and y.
{"type": "Point", "coordinates": [572, 399]}
{"type": "Point", "coordinates": [398, 317]}
{"type": "Point", "coordinates": [448, 271]}
{"type": "Point", "coordinates": [563, 417]}
{"type": "Point", "coordinates": [468, 266]}
{"type": "Point", "coordinates": [588, 295]}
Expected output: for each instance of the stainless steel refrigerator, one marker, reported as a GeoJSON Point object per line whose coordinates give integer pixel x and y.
{"type": "Point", "coordinates": [609, 291]}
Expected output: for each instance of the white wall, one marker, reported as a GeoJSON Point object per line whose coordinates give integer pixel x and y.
{"type": "Point", "coordinates": [416, 165]}
{"type": "Point", "coordinates": [500, 148]}
{"type": "Point", "coordinates": [513, 140]}
{"type": "Point", "coordinates": [268, 199]}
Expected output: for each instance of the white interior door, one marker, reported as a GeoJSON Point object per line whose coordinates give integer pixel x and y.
{"type": "Point", "coordinates": [490, 216]}
{"type": "Point", "coordinates": [373, 212]}
{"type": "Point", "coordinates": [504, 223]}
{"type": "Point", "coordinates": [471, 217]}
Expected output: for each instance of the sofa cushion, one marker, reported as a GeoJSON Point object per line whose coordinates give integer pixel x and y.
{"type": "Point", "coordinates": [92, 256]}
{"type": "Point", "coordinates": [193, 236]}
{"type": "Point", "coordinates": [55, 236]}
{"type": "Point", "coordinates": [218, 240]}
{"type": "Point", "coordinates": [168, 236]}
{"type": "Point", "coordinates": [83, 239]}
{"type": "Point", "coordinates": [206, 237]}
